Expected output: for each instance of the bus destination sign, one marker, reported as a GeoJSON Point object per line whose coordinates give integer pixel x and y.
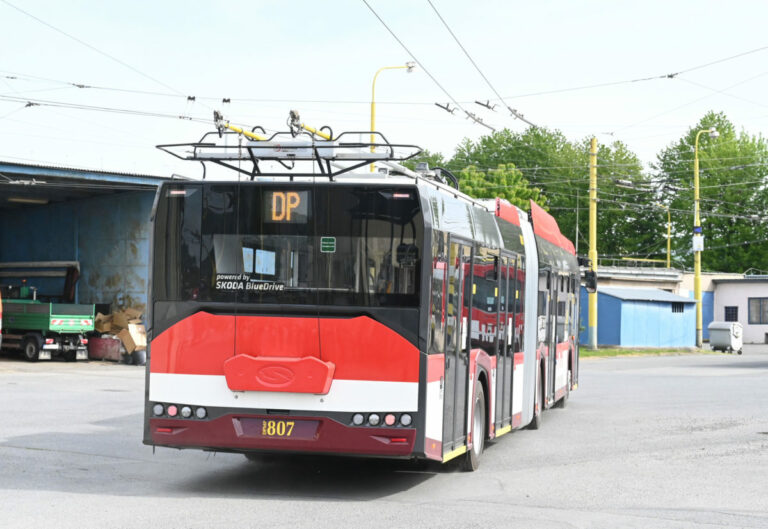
{"type": "Point", "coordinates": [289, 207]}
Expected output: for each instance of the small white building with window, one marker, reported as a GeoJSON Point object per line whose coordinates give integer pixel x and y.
{"type": "Point", "coordinates": [744, 300]}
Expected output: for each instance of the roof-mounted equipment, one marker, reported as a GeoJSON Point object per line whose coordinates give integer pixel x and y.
{"type": "Point", "coordinates": [327, 155]}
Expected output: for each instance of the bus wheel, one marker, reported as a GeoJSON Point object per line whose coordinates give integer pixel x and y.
{"type": "Point", "coordinates": [31, 347]}
{"type": "Point", "coordinates": [472, 459]}
{"type": "Point", "coordinates": [538, 404]}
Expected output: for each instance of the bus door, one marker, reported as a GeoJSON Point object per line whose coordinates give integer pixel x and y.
{"type": "Point", "coordinates": [505, 362]}
{"type": "Point", "coordinates": [456, 346]}
{"type": "Point", "coordinates": [517, 295]}
{"type": "Point", "coordinates": [542, 321]}
{"type": "Point", "coordinates": [554, 290]}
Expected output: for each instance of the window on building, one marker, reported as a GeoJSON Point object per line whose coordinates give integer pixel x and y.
{"type": "Point", "coordinates": [678, 307]}
{"type": "Point", "coordinates": [758, 311]}
{"type": "Point", "coordinates": [731, 313]}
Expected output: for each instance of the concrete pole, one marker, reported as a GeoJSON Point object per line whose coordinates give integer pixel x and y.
{"type": "Point", "coordinates": [592, 329]}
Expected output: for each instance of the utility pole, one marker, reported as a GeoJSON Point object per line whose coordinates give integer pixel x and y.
{"type": "Point", "coordinates": [576, 235]}
{"type": "Point", "coordinates": [592, 329]}
{"type": "Point", "coordinates": [698, 239]}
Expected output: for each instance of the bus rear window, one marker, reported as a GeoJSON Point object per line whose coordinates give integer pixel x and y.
{"type": "Point", "coordinates": [330, 245]}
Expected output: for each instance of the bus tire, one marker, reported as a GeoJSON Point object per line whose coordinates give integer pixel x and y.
{"type": "Point", "coordinates": [472, 459]}
{"type": "Point", "coordinates": [30, 346]}
{"type": "Point", "coordinates": [538, 403]}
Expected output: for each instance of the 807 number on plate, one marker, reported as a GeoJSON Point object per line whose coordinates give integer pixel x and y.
{"type": "Point", "coordinates": [277, 428]}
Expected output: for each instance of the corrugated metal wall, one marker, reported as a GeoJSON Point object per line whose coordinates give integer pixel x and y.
{"type": "Point", "coordinates": [108, 234]}
{"type": "Point", "coordinates": [609, 324]}
{"type": "Point", "coordinates": [653, 324]}
{"type": "Point", "coordinates": [639, 323]}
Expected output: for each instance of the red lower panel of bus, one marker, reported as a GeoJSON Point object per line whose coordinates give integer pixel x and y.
{"type": "Point", "coordinates": [272, 433]}
{"type": "Point", "coordinates": [360, 348]}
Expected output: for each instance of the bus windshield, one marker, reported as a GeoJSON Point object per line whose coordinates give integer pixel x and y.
{"type": "Point", "coordinates": [288, 244]}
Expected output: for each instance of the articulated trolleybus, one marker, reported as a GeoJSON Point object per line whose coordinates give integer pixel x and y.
{"type": "Point", "coordinates": [331, 311]}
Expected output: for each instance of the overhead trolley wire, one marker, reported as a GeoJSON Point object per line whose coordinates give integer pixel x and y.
{"type": "Point", "coordinates": [89, 46]}
{"type": "Point", "coordinates": [421, 65]}
{"type": "Point", "coordinates": [689, 103]}
{"type": "Point", "coordinates": [718, 61]}
{"type": "Point", "coordinates": [61, 104]}
{"type": "Point", "coordinates": [513, 111]}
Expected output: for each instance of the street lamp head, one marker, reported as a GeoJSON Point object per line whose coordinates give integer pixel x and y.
{"type": "Point", "coordinates": [713, 133]}
{"type": "Point", "coordinates": [410, 65]}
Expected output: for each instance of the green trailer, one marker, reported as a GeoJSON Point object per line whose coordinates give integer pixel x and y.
{"type": "Point", "coordinates": [43, 330]}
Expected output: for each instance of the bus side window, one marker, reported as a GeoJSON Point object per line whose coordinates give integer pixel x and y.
{"type": "Point", "coordinates": [437, 305]}
{"type": "Point", "coordinates": [520, 304]}
{"type": "Point", "coordinates": [485, 294]}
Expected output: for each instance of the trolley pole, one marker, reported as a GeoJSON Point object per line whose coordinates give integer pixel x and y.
{"type": "Point", "coordinates": [592, 329]}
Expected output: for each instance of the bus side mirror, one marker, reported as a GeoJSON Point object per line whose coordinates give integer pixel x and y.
{"type": "Point", "coordinates": [590, 281]}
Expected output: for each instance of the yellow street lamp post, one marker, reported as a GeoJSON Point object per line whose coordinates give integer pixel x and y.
{"type": "Point", "coordinates": [698, 244]}
{"type": "Point", "coordinates": [409, 66]}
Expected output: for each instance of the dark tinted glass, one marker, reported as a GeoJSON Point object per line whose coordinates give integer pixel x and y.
{"type": "Point", "coordinates": [282, 244]}
{"type": "Point", "coordinates": [176, 252]}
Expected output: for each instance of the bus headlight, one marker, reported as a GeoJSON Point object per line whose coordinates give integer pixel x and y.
{"type": "Point", "coordinates": [374, 419]}
{"type": "Point", "coordinates": [405, 419]}
{"type": "Point", "coordinates": [158, 410]}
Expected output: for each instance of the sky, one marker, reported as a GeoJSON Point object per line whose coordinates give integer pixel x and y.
{"type": "Point", "coordinates": [269, 57]}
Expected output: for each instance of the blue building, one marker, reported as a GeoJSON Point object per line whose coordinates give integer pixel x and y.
{"type": "Point", "coordinates": [641, 317]}
{"type": "Point", "coordinates": [54, 220]}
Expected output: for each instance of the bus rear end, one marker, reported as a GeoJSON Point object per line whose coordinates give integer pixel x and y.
{"type": "Point", "coordinates": [285, 317]}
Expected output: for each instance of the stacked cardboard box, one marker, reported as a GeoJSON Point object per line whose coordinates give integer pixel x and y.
{"type": "Point", "coordinates": [126, 325]}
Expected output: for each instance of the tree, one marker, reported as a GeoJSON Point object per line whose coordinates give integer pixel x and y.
{"type": "Point", "coordinates": [733, 195]}
{"type": "Point", "coordinates": [503, 182]}
{"type": "Point", "coordinates": [560, 169]}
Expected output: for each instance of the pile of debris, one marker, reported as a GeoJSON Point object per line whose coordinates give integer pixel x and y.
{"type": "Point", "coordinates": [124, 325]}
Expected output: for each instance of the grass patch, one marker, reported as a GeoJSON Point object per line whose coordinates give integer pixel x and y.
{"type": "Point", "coordinates": [607, 352]}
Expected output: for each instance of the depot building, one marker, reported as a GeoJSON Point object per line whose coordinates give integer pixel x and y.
{"type": "Point", "coordinates": [76, 236]}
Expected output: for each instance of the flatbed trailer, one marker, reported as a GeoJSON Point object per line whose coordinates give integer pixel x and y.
{"type": "Point", "coordinates": [43, 330]}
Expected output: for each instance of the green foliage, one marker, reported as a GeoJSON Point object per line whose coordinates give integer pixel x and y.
{"type": "Point", "coordinates": [559, 168]}
{"type": "Point", "coordinates": [732, 191]}
{"type": "Point", "coordinates": [543, 165]}
{"type": "Point", "coordinates": [504, 182]}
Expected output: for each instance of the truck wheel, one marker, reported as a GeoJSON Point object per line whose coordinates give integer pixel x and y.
{"type": "Point", "coordinates": [31, 347]}
{"type": "Point", "coordinates": [472, 459]}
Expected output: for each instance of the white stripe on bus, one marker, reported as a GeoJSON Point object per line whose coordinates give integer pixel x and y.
{"type": "Point", "coordinates": [434, 419]}
{"type": "Point", "coordinates": [344, 395]}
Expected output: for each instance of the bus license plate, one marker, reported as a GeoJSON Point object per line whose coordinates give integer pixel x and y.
{"type": "Point", "coordinates": [279, 428]}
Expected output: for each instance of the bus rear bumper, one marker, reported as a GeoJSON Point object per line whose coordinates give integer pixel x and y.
{"type": "Point", "coordinates": [236, 432]}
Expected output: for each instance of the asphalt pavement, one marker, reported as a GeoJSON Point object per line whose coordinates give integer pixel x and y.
{"type": "Point", "coordinates": [668, 441]}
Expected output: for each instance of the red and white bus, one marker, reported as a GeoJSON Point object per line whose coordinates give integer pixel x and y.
{"type": "Point", "coordinates": [368, 314]}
